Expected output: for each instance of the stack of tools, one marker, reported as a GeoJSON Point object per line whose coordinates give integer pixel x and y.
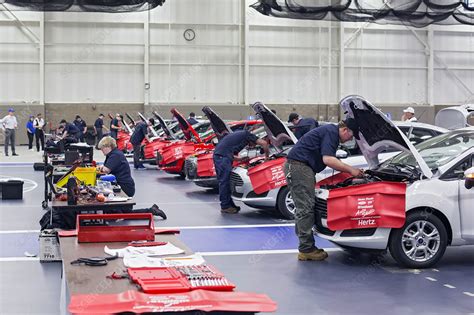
{"type": "Point", "coordinates": [179, 279]}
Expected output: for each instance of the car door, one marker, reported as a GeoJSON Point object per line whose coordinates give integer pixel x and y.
{"type": "Point", "coordinates": [465, 196]}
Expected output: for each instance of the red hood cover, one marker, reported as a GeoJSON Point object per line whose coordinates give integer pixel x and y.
{"type": "Point", "coordinates": [176, 151]}
{"type": "Point", "coordinates": [268, 175]}
{"type": "Point", "coordinates": [202, 300]}
{"type": "Point", "coordinates": [186, 127]}
{"type": "Point", "coordinates": [380, 204]}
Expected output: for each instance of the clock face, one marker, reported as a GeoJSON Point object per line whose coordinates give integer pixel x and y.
{"type": "Point", "coordinates": [189, 34]}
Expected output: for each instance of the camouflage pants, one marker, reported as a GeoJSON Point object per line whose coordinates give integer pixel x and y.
{"type": "Point", "coordinates": [301, 180]}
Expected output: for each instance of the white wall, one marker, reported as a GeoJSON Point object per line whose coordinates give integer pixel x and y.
{"type": "Point", "coordinates": [238, 56]}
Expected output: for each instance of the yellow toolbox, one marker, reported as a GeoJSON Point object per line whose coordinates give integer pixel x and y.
{"type": "Point", "coordinates": [86, 175]}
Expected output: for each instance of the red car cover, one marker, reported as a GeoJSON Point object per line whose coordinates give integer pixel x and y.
{"type": "Point", "coordinates": [123, 141]}
{"type": "Point", "coordinates": [380, 204]}
{"type": "Point", "coordinates": [205, 165]}
{"type": "Point", "coordinates": [138, 303]}
{"type": "Point", "coordinates": [268, 175]}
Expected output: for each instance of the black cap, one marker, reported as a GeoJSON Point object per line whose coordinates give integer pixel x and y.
{"type": "Point", "coordinates": [352, 124]}
{"type": "Point", "coordinates": [77, 116]}
{"type": "Point", "coordinates": [152, 121]}
{"type": "Point", "coordinates": [293, 116]}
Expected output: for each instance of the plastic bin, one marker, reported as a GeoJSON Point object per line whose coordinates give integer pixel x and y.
{"type": "Point", "coordinates": [11, 189]}
{"type": "Point", "coordinates": [87, 175]}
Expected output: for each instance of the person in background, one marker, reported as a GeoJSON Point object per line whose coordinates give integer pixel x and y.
{"type": "Point", "coordinates": [302, 125]}
{"type": "Point", "coordinates": [115, 126]}
{"type": "Point", "coordinates": [309, 156]}
{"type": "Point", "coordinates": [70, 133]}
{"type": "Point", "coordinates": [82, 126]}
{"type": "Point", "coordinates": [10, 123]}
{"type": "Point", "coordinates": [116, 164]}
{"type": "Point", "coordinates": [192, 118]}
{"type": "Point", "coordinates": [38, 123]}
{"type": "Point", "coordinates": [98, 129]}
{"type": "Point", "coordinates": [409, 114]}
{"type": "Point", "coordinates": [140, 133]}
{"type": "Point", "coordinates": [223, 157]}
{"type": "Point", "coordinates": [30, 132]}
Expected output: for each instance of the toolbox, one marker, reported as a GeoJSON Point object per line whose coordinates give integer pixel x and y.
{"type": "Point", "coordinates": [11, 189]}
{"type": "Point", "coordinates": [179, 279]}
{"type": "Point", "coordinates": [86, 175]}
{"type": "Point", "coordinates": [97, 228]}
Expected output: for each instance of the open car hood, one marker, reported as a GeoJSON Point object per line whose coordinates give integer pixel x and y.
{"type": "Point", "coordinates": [188, 131]}
{"type": "Point", "coordinates": [153, 131]}
{"type": "Point", "coordinates": [277, 132]}
{"type": "Point", "coordinates": [127, 127]}
{"type": "Point", "coordinates": [217, 124]}
{"type": "Point", "coordinates": [164, 126]}
{"type": "Point", "coordinates": [377, 133]}
{"type": "Point", "coordinates": [130, 118]}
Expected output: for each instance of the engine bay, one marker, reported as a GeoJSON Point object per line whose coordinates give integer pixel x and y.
{"type": "Point", "coordinates": [370, 176]}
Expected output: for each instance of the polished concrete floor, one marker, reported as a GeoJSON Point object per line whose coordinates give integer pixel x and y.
{"type": "Point", "coordinates": [255, 249]}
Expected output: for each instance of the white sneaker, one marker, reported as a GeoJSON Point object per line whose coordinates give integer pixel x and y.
{"type": "Point", "coordinates": [31, 150]}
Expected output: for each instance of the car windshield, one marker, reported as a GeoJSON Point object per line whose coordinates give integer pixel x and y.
{"type": "Point", "coordinates": [436, 151]}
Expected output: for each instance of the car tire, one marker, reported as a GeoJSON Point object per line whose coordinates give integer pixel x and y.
{"type": "Point", "coordinates": [434, 238]}
{"type": "Point", "coordinates": [283, 199]}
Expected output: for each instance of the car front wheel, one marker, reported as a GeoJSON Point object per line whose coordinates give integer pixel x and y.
{"type": "Point", "coordinates": [421, 242]}
{"type": "Point", "coordinates": [285, 203]}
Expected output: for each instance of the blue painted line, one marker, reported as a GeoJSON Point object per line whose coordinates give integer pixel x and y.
{"type": "Point", "coordinates": [199, 240]}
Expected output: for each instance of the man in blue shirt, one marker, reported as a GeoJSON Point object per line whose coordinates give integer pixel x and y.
{"type": "Point", "coordinates": [115, 126]}
{"type": "Point", "coordinates": [224, 153]}
{"type": "Point", "coordinates": [70, 132]}
{"type": "Point", "coordinates": [192, 119]}
{"type": "Point", "coordinates": [302, 125]}
{"type": "Point", "coordinates": [99, 129]}
{"type": "Point", "coordinates": [313, 152]}
{"type": "Point", "coordinates": [140, 133]}
{"type": "Point", "coordinates": [82, 126]}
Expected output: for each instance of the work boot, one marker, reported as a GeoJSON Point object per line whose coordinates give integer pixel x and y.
{"type": "Point", "coordinates": [230, 210]}
{"type": "Point", "coordinates": [158, 212]}
{"type": "Point", "coordinates": [317, 254]}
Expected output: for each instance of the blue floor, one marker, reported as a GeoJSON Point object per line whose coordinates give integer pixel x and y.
{"type": "Point", "coordinates": [341, 285]}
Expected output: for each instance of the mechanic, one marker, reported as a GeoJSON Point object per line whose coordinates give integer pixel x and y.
{"type": "Point", "coordinates": [39, 132]}
{"type": "Point", "coordinates": [302, 125]}
{"type": "Point", "coordinates": [71, 133]}
{"type": "Point", "coordinates": [117, 165]}
{"type": "Point", "coordinates": [409, 114]}
{"type": "Point", "coordinates": [310, 155]}
{"type": "Point", "coordinates": [10, 124]}
{"type": "Point", "coordinates": [99, 129]}
{"type": "Point", "coordinates": [224, 153]}
{"type": "Point", "coordinates": [82, 126]}
{"type": "Point", "coordinates": [115, 126]}
{"type": "Point", "coordinates": [192, 118]}
{"type": "Point", "coordinates": [140, 133]}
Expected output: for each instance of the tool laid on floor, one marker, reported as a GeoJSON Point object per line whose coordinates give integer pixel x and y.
{"type": "Point", "coordinates": [179, 279]}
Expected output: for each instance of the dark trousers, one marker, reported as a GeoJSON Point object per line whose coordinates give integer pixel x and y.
{"type": "Point", "coordinates": [31, 136]}
{"type": "Point", "coordinates": [39, 135]}
{"type": "Point", "coordinates": [99, 136]}
{"type": "Point", "coordinates": [223, 167]}
{"type": "Point", "coordinates": [136, 155]}
{"type": "Point", "coordinates": [301, 180]}
{"type": "Point", "coordinates": [9, 140]}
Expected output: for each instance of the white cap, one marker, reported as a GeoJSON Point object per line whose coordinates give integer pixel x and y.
{"type": "Point", "coordinates": [409, 110]}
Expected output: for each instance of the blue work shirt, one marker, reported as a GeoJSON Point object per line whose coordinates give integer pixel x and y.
{"type": "Point", "coordinates": [234, 142]}
{"type": "Point", "coordinates": [114, 132]}
{"type": "Point", "coordinates": [72, 130]}
{"type": "Point", "coordinates": [192, 121]}
{"type": "Point", "coordinates": [141, 130]}
{"type": "Point", "coordinates": [305, 125]}
{"type": "Point", "coordinates": [80, 125]}
{"type": "Point", "coordinates": [99, 123]}
{"type": "Point", "coordinates": [317, 143]}
{"type": "Point", "coordinates": [116, 162]}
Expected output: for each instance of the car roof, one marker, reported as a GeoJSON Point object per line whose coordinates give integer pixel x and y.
{"type": "Point", "coordinates": [419, 125]}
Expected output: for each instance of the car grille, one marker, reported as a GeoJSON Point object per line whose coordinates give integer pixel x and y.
{"type": "Point", "coordinates": [236, 181]}
{"type": "Point", "coordinates": [253, 194]}
{"type": "Point", "coordinates": [190, 169]}
{"type": "Point", "coordinates": [321, 212]}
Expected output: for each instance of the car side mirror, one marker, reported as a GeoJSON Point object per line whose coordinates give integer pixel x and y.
{"type": "Point", "coordinates": [469, 175]}
{"type": "Point", "coordinates": [341, 154]}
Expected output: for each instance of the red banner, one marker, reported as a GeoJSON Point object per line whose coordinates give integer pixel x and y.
{"type": "Point", "coordinates": [137, 302]}
{"type": "Point", "coordinates": [372, 205]}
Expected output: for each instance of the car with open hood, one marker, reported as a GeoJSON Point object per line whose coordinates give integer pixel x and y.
{"type": "Point", "coordinates": [199, 167]}
{"type": "Point", "coordinates": [263, 185]}
{"type": "Point", "coordinates": [415, 204]}
{"type": "Point", "coordinates": [169, 132]}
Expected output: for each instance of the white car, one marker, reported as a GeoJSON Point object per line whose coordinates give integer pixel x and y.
{"type": "Point", "coordinates": [279, 198]}
{"type": "Point", "coordinates": [438, 200]}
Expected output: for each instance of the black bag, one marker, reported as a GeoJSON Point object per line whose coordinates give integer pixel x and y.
{"type": "Point", "coordinates": [55, 224]}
